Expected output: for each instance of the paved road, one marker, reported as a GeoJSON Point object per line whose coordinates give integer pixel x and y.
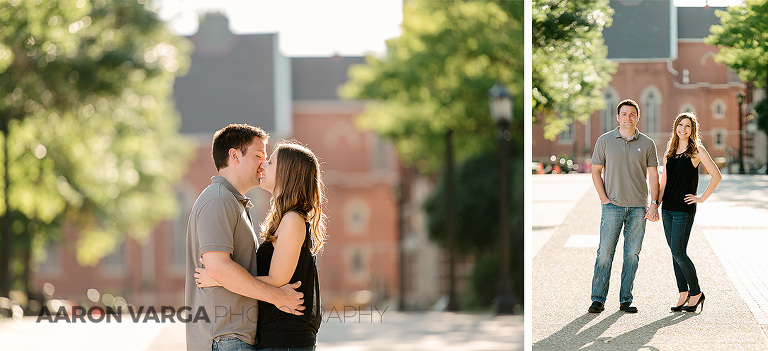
{"type": "Point", "coordinates": [344, 331]}
{"type": "Point", "coordinates": [727, 245]}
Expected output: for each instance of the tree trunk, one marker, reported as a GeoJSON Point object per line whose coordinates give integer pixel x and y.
{"type": "Point", "coordinates": [5, 233]}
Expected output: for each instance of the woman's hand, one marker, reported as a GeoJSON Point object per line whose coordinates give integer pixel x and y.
{"type": "Point", "coordinates": [202, 279]}
{"type": "Point", "coordinates": [691, 199]}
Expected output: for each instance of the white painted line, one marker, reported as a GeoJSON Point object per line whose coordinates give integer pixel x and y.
{"type": "Point", "coordinates": [582, 241]}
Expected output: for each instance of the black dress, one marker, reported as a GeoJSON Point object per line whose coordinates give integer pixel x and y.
{"type": "Point", "coordinates": [280, 329]}
{"type": "Point", "coordinates": [682, 179]}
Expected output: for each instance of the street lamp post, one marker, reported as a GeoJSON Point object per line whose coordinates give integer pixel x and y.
{"type": "Point", "coordinates": [500, 101]}
{"type": "Point", "coordinates": [740, 99]}
{"type": "Point", "coordinates": [453, 303]}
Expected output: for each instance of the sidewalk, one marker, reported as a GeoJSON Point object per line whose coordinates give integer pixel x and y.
{"type": "Point", "coordinates": [729, 231]}
{"type": "Point", "coordinates": [379, 330]}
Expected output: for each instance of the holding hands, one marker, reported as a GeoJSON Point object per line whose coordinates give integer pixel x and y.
{"type": "Point", "coordinates": [652, 213]}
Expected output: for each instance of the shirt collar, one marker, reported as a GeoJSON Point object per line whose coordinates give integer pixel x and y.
{"type": "Point", "coordinates": [246, 202]}
{"type": "Point", "coordinates": [617, 134]}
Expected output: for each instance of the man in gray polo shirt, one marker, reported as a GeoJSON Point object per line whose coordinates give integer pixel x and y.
{"type": "Point", "coordinates": [220, 232]}
{"type": "Point", "coordinates": [621, 161]}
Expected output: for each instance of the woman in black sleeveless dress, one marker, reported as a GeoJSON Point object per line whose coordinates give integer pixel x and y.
{"type": "Point", "coordinates": [292, 235]}
{"type": "Point", "coordinates": [678, 185]}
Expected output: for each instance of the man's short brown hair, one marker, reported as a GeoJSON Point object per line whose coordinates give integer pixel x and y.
{"type": "Point", "coordinates": [628, 102]}
{"type": "Point", "coordinates": [234, 136]}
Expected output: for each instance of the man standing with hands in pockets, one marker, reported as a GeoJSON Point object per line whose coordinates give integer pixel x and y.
{"type": "Point", "coordinates": [624, 166]}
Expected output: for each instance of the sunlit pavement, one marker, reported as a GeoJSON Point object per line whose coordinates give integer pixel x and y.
{"type": "Point", "coordinates": [727, 245]}
{"type": "Point", "coordinates": [341, 331]}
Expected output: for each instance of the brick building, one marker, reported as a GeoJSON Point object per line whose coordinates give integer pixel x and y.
{"type": "Point", "coordinates": [664, 65]}
{"type": "Point", "coordinates": [245, 79]}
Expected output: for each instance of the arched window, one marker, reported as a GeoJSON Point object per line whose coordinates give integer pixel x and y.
{"type": "Point", "coordinates": [650, 111]}
{"type": "Point", "coordinates": [687, 107]}
{"type": "Point", "coordinates": [611, 99]}
{"type": "Point", "coordinates": [566, 137]}
{"type": "Point", "coordinates": [718, 109]}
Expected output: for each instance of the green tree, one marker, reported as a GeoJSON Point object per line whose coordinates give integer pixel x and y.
{"type": "Point", "coordinates": [761, 111]}
{"type": "Point", "coordinates": [477, 206]}
{"type": "Point", "coordinates": [89, 131]}
{"type": "Point", "coordinates": [570, 69]}
{"type": "Point", "coordinates": [743, 40]}
{"type": "Point", "coordinates": [435, 77]}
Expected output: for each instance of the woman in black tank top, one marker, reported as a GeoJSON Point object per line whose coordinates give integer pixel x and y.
{"type": "Point", "coordinates": [292, 235]}
{"type": "Point", "coordinates": [678, 185]}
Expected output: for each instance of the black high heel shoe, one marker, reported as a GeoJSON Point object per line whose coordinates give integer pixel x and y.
{"type": "Point", "coordinates": [693, 308]}
{"type": "Point", "coordinates": [680, 307]}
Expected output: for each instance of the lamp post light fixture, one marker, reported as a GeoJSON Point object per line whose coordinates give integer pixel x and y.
{"type": "Point", "coordinates": [500, 101]}
{"type": "Point", "coordinates": [740, 100]}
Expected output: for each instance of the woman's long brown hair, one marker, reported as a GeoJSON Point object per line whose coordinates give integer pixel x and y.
{"type": "Point", "coordinates": [298, 187]}
{"type": "Point", "coordinates": [693, 139]}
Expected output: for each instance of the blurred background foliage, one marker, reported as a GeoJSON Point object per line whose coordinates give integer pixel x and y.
{"type": "Point", "coordinates": [743, 40]}
{"type": "Point", "coordinates": [89, 129]}
{"type": "Point", "coordinates": [435, 77]}
{"type": "Point", "coordinates": [569, 59]}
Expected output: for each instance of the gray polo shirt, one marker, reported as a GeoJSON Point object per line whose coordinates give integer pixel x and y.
{"type": "Point", "coordinates": [625, 165]}
{"type": "Point", "coordinates": [220, 222]}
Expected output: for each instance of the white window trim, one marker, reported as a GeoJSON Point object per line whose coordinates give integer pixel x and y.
{"type": "Point", "coordinates": [644, 113]}
{"type": "Point", "coordinates": [724, 133]}
{"type": "Point", "coordinates": [713, 106]}
{"type": "Point", "coordinates": [687, 106]}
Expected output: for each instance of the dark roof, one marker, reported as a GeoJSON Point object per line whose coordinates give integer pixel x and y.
{"type": "Point", "coordinates": [318, 78]}
{"type": "Point", "coordinates": [231, 79]}
{"type": "Point", "coordinates": [694, 22]}
{"type": "Point", "coordinates": [641, 29]}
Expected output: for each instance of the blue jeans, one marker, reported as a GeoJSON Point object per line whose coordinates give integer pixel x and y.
{"type": "Point", "coordinates": [289, 349]}
{"type": "Point", "coordinates": [677, 227]}
{"type": "Point", "coordinates": [611, 222]}
{"type": "Point", "coordinates": [231, 344]}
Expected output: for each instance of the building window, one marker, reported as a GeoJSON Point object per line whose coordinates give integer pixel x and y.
{"type": "Point", "coordinates": [650, 111]}
{"type": "Point", "coordinates": [177, 235]}
{"type": "Point", "coordinates": [566, 136]}
{"type": "Point", "coordinates": [382, 155]}
{"type": "Point", "coordinates": [609, 112]}
{"type": "Point", "coordinates": [719, 138]}
{"type": "Point", "coordinates": [718, 109]}
{"type": "Point", "coordinates": [114, 263]}
{"type": "Point", "coordinates": [52, 263]}
{"type": "Point", "coordinates": [357, 264]}
{"type": "Point", "coordinates": [357, 214]}
{"type": "Point", "coordinates": [687, 108]}
{"type": "Point", "coordinates": [733, 76]}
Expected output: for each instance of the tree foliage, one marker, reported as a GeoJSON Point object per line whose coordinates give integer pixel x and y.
{"type": "Point", "coordinates": [570, 68]}
{"type": "Point", "coordinates": [436, 77]}
{"type": "Point", "coordinates": [85, 89]}
{"type": "Point", "coordinates": [478, 218]}
{"type": "Point", "coordinates": [761, 111]}
{"type": "Point", "coordinates": [743, 40]}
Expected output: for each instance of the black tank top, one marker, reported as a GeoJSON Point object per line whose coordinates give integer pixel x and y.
{"type": "Point", "coordinates": [277, 328]}
{"type": "Point", "coordinates": [682, 179]}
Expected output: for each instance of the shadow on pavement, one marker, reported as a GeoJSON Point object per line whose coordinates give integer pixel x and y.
{"type": "Point", "coordinates": [571, 338]}
{"type": "Point", "coordinates": [746, 191]}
